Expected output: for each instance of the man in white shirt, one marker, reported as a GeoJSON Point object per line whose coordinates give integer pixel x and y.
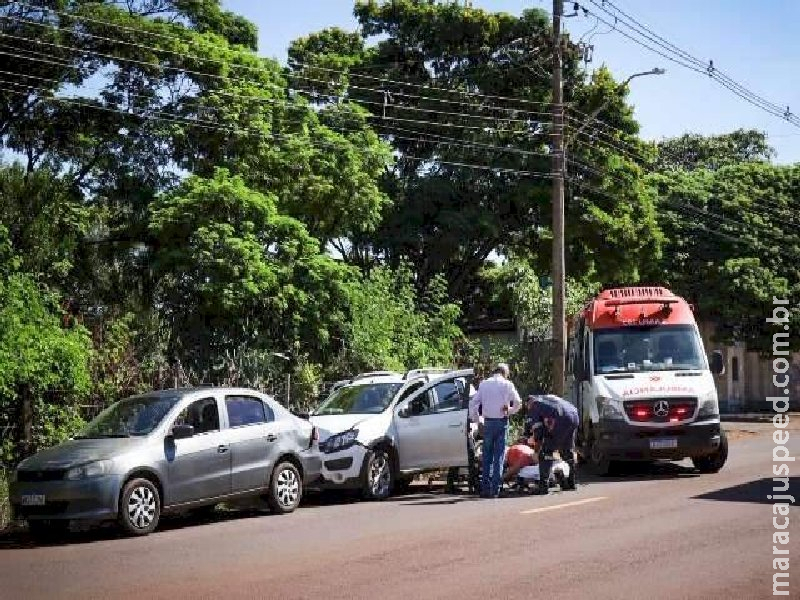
{"type": "Point", "coordinates": [495, 400]}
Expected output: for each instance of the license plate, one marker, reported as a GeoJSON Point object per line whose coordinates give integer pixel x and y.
{"type": "Point", "coordinates": [663, 443]}
{"type": "Point", "coordinates": [33, 500]}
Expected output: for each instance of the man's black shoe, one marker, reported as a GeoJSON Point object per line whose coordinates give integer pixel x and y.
{"type": "Point", "coordinates": [541, 490]}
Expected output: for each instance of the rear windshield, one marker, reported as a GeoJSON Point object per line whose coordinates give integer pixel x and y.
{"type": "Point", "coordinates": [368, 399]}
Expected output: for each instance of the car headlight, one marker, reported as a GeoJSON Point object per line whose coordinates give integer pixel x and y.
{"type": "Point", "coordinates": [709, 405]}
{"type": "Point", "coordinates": [89, 470]}
{"type": "Point", "coordinates": [609, 410]}
{"type": "Point", "coordinates": [340, 441]}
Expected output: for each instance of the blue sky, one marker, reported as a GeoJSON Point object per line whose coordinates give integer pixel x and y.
{"type": "Point", "coordinates": [756, 42]}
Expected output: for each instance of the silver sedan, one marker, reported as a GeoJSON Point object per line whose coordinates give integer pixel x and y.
{"type": "Point", "coordinates": [170, 450]}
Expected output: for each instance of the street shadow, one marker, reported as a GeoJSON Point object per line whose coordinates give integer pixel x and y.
{"type": "Point", "coordinates": [636, 470]}
{"type": "Point", "coordinates": [753, 491]}
{"type": "Point", "coordinates": [18, 537]}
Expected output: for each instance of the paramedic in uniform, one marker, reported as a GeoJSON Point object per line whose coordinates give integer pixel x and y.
{"type": "Point", "coordinates": [496, 399]}
{"type": "Point", "coordinates": [553, 422]}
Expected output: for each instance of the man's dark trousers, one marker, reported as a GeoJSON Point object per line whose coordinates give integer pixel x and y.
{"type": "Point", "coordinates": [494, 446]}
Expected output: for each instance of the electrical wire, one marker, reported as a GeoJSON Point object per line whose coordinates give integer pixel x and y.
{"type": "Point", "coordinates": [685, 59]}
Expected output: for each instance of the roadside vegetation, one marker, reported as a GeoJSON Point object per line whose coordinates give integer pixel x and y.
{"type": "Point", "coordinates": [214, 217]}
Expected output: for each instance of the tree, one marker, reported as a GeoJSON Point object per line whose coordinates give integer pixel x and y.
{"type": "Point", "coordinates": [449, 219]}
{"type": "Point", "coordinates": [391, 326]}
{"type": "Point", "coordinates": [694, 151]}
{"type": "Point", "coordinates": [233, 271]}
{"type": "Point", "coordinates": [44, 369]}
{"type": "Point", "coordinates": [732, 244]}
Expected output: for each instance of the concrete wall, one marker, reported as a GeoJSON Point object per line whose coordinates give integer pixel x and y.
{"type": "Point", "coordinates": [745, 387]}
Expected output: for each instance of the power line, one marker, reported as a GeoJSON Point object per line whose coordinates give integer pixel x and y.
{"type": "Point", "coordinates": [279, 102]}
{"type": "Point", "coordinates": [209, 125]}
{"type": "Point", "coordinates": [671, 52]}
{"type": "Point", "coordinates": [197, 58]}
{"type": "Point", "coordinates": [174, 38]}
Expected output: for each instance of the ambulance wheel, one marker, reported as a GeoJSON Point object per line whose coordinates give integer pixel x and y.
{"type": "Point", "coordinates": [712, 463]}
{"type": "Point", "coordinates": [599, 462]}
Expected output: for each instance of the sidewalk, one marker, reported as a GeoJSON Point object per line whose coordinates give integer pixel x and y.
{"type": "Point", "coordinates": [756, 417]}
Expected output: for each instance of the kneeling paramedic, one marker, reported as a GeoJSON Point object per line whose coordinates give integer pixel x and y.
{"type": "Point", "coordinates": [553, 422]}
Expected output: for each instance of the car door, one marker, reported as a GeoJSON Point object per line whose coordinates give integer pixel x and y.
{"type": "Point", "coordinates": [431, 434]}
{"type": "Point", "coordinates": [198, 467]}
{"type": "Point", "coordinates": [255, 437]}
{"type": "Point", "coordinates": [452, 403]}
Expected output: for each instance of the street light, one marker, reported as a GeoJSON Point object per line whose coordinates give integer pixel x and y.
{"type": "Point", "coordinates": [599, 109]}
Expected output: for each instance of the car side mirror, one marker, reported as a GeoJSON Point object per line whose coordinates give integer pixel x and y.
{"type": "Point", "coordinates": [717, 363]}
{"type": "Point", "coordinates": [403, 413]}
{"type": "Point", "coordinates": [180, 432]}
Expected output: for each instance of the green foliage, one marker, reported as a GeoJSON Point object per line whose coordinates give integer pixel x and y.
{"type": "Point", "coordinates": [393, 327]}
{"type": "Point", "coordinates": [446, 219]}
{"type": "Point", "coordinates": [732, 244]}
{"type": "Point", "coordinates": [40, 360]}
{"type": "Point", "coordinates": [232, 271]}
{"type": "Point", "coordinates": [693, 151]}
{"type": "Point", "coordinates": [43, 220]}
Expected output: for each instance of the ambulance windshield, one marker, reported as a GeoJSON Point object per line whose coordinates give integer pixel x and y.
{"type": "Point", "coordinates": [648, 348]}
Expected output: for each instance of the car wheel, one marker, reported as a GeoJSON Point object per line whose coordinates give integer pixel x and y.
{"type": "Point", "coordinates": [285, 489]}
{"type": "Point", "coordinates": [379, 475]}
{"type": "Point", "coordinates": [139, 507]}
{"type": "Point", "coordinates": [712, 463]}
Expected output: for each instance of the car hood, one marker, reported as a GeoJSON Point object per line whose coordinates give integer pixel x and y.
{"type": "Point", "coordinates": [328, 425]}
{"type": "Point", "coordinates": [77, 452]}
{"type": "Point", "coordinates": [661, 384]}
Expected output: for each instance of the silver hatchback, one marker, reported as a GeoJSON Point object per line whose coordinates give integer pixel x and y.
{"type": "Point", "coordinates": [171, 450]}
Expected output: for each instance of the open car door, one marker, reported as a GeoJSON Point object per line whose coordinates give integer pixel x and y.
{"type": "Point", "coordinates": [432, 424]}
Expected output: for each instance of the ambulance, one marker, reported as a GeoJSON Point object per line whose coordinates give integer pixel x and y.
{"type": "Point", "coordinates": [643, 385]}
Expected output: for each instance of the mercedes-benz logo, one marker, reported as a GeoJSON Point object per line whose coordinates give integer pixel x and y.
{"type": "Point", "coordinates": [661, 408]}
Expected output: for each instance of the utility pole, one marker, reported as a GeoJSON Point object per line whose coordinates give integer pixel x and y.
{"type": "Point", "coordinates": [559, 328]}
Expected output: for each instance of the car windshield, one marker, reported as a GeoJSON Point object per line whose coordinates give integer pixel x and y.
{"type": "Point", "coordinates": [648, 348]}
{"type": "Point", "coordinates": [138, 415]}
{"type": "Point", "coordinates": [370, 399]}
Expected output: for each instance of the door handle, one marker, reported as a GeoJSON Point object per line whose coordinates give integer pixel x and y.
{"type": "Point", "coordinates": [271, 437]}
{"type": "Point", "coordinates": [222, 448]}
{"type": "Point", "coordinates": [454, 425]}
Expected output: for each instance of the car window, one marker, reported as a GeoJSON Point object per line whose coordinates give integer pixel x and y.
{"type": "Point", "coordinates": [411, 389]}
{"type": "Point", "coordinates": [269, 413]}
{"type": "Point", "coordinates": [245, 410]}
{"type": "Point", "coordinates": [422, 404]}
{"type": "Point", "coordinates": [202, 414]}
{"type": "Point", "coordinates": [448, 396]}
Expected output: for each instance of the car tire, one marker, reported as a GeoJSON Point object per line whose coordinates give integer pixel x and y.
{"type": "Point", "coordinates": [379, 474]}
{"type": "Point", "coordinates": [599, 463]}
{"type": "Point", "coordinates": [285, 489]}
{"type": "Point", "coordinates": [712, 463]}
{"type": "Point", "coordinates": [139, 507]}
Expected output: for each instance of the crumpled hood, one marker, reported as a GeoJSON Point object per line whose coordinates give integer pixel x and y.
{"type": "Point", "coordinates": [655, 384]}
{"type": "Point", "coordinates": [328, 425]}
{"type": "Point", "coordinates": [78, 452]}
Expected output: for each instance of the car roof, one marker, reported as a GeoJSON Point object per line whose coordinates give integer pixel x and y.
{"type": "Point", "coordinates": [188, 391]}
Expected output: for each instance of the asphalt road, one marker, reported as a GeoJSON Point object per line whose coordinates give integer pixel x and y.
{"type": "Point", "coordinates": [661, 532]}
